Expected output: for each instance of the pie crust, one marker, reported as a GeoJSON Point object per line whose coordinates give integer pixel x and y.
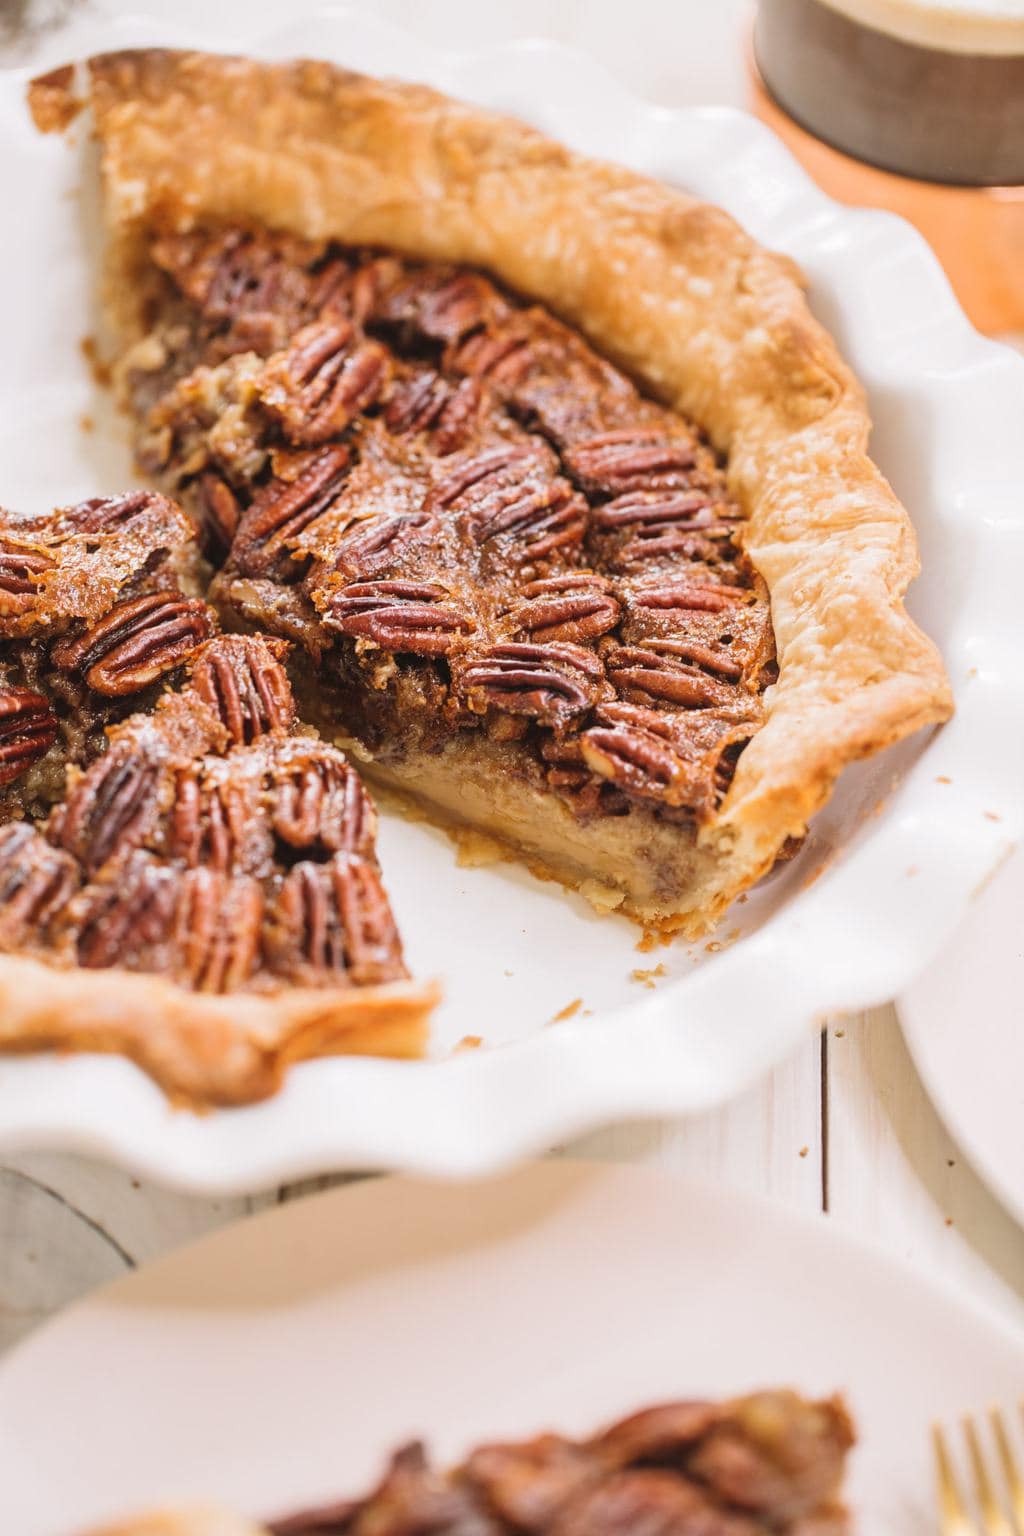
{"type": "Point", "coordinates": [670, 289]}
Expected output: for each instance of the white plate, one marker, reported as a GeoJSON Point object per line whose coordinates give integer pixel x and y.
{"type": "Point", "coordinates": [513, 952]}
{"type": "Point", "coordinates": [964, 1024]}
{"type": "Point", "coordinates": [276, 1363]}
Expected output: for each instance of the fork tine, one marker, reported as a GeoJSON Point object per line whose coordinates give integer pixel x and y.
{"type": "Point", "coordinates": [993, 1518]}
{"type": "Point", "coordinates": [1011, 1473]}
{"type": "Point", "coordinates": [953, 1517]}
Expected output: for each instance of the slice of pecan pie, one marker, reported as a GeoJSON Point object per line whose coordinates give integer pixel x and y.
{"type": "Point", "coordinates": [620, 588]}
{"type": "Point", "coordinates": [770, 1462]}
{"type": "Point", "coordinates": [186, 875]}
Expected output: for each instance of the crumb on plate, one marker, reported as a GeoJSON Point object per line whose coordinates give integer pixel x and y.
{"type": "Point", "coordinates": [647, 978]}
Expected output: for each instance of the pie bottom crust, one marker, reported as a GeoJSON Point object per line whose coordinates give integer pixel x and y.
{"type": "Point", "coordinates": [205, 1049]}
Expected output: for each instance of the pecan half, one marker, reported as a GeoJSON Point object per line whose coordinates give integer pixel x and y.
{"type": "Point", "coordinates": [417, 402]}
{"type": "Point", "coordinates": [359, 292]}
{"type": "Point", "coordinates": [510, 464]}
{"type": "Point", "coordinates": [691, 596]}
{"type": "Point", "coordinates": [638, 759]}
{"type": "Point", "coordinates": [103, 514]}
{"type": "Point", "coordinates": [126, 920]}
{"type": "Point", "coordinates": [503, 355]}
{"type": "Point", "coordinates": [543, 517]}
{"type": "Point", "coordinates": [218, 919]}
{"type": "Point", "coordinates": [437, 302]}
{"type": "Point", "coordinates": [708, 658]}
{"type": "Point", "coordinates": [511, 491]}
{"type": "Point", "coordinates": [457, 422]}
{"type": "Point", "coordinates": [23, 569]}
{"type": "Point", "coordinates": [550, 683]}
{"type": "Point", "coordinates": [569, 774]}
{"type": "Point", "coordinates": [283, 509]}
{"type": "Point", "coordinates": [686, 615]}
{"type": "Point", "coordinates": [111, 806]}
{"type": "Point", "coordinates": [318, 803]}
{"type": "Point", "coordinates": [426, 402]}
{"type": "Point", "coordinates": [219, 511]}
{"type": "Point", "coordinates": [724, 772]}
{"type": "Point", "coordinates": [535, 1486]}
{"type": "Point", "coordinates": [713, 659]}
{"type": "Point", "coordinates": [211, 822]}
{"type": "Point", "coordinates": [332, 922]}
{"type": "Point", "coordinates": [372, 543]}
{"type": "Point", "coordinates": [575, 605]}
{"type": "Point", "coordinates": [212, 269]}
{"type": "Point", "coordinates": [226, 280]}
{"type": "Point", "coordinates": [36, 883]}
{"type": "Point", "coordinates": [455, 305]}
{"type": "Point", "coordinates": [671, 544]}
{"type": "Point", "coordinates": [632, 458]}
{"type": "Point", "coordinates": [643, 673]}
{"type": "Point", "coordinates": [323, 380]}
{"type": "Point", "coordinates": [240, 677]}
{"type": "Point", "coordinates": [404, 616]}
{"type": "Point", "coordinates": [252, 290]}
{"type": "Point", "coordinates": [28, 729]}
{"type": "Point", "coordinates": [136, 642]}
{"type": "Point", "coordinates": [647, 511]}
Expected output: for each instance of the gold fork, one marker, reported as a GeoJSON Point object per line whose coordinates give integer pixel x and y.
{"type": "Point", "coordinates": [1000, 1516]}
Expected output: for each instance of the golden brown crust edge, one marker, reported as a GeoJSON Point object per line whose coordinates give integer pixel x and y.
{"type": "Point", "coordinates": [670, 288]}
{"type": "Point", "coordinates": [206, 1049]}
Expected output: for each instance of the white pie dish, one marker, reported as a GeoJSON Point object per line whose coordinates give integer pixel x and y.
{"type": "Point", "coordinates": [919, 830]}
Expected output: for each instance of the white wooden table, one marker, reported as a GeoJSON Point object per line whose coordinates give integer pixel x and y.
{"type": "Point", "coordinates": [843, 1127]}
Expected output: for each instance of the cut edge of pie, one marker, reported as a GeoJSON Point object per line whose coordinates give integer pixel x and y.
{"type": "Point", "coordinates": [668, 288]}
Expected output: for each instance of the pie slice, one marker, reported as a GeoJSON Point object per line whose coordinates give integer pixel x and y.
{"type": "Point", "coordinates": [187, 875]}
{"type": "Point", "coordinates": [770, 1462]}
{"type": "Point", "coordinates": [544, 468]}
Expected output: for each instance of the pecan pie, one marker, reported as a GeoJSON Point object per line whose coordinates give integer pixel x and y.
{"type": "Point", "coordinates": [185, 874]}
{"type": "Point", "coordinates": [545, 467]}
{"type": "Point", "coordinates": [771, 1462]}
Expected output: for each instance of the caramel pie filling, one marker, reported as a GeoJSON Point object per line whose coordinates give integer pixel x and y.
{"type": "Point", "coordinates": [164, 811]}
{"type": "Point", "coordinates": [511, 573]}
